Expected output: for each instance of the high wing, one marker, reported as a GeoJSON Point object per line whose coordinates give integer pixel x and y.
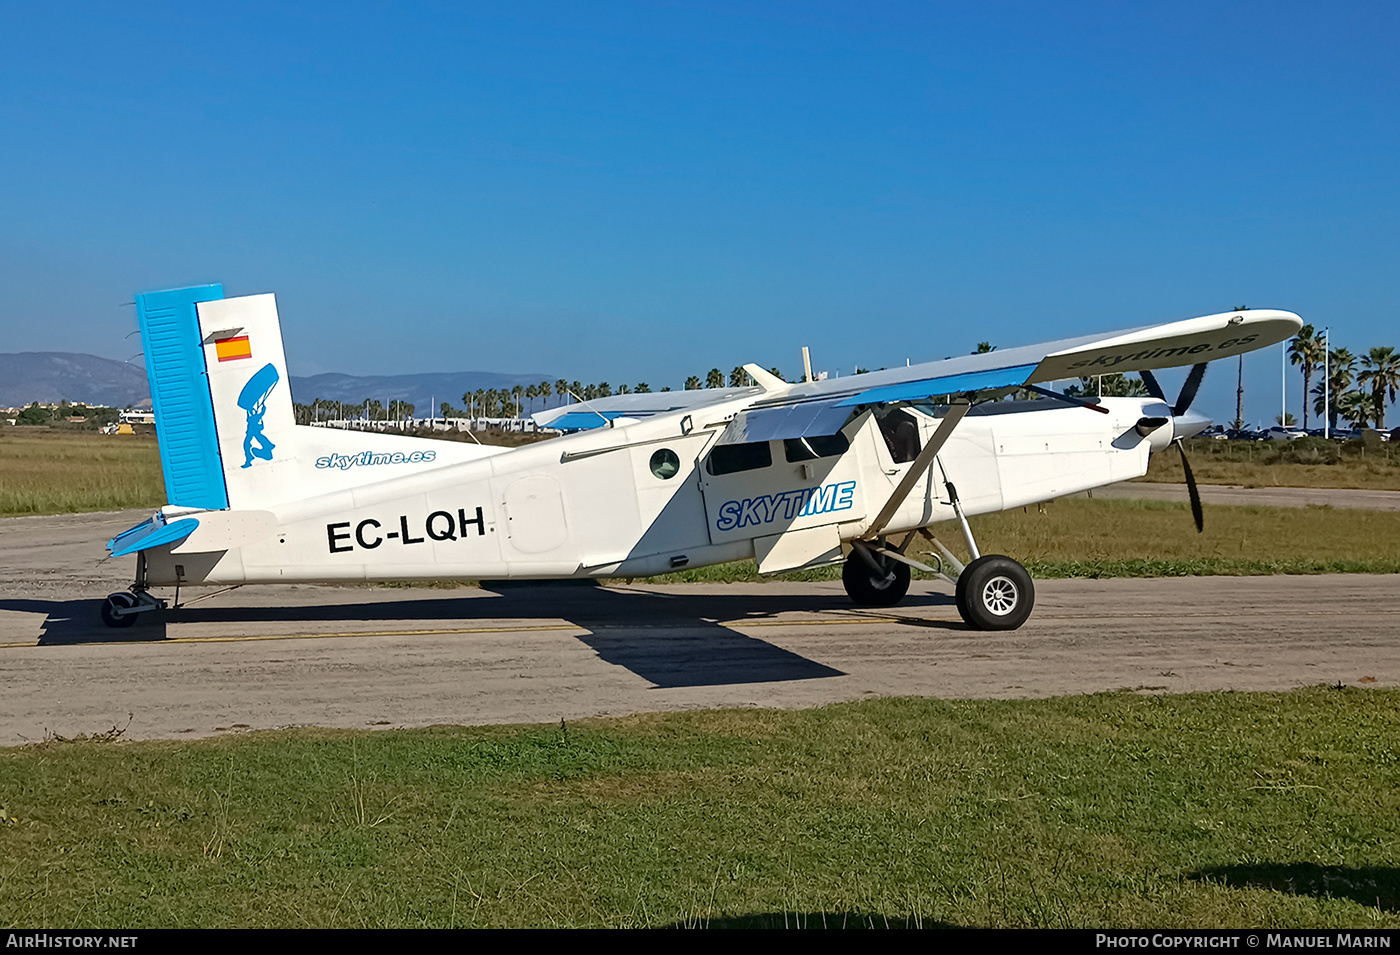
{"type": "Point", "coordinates": [823, 407]}
{"type": "Point", "coordinates": [598, 412]}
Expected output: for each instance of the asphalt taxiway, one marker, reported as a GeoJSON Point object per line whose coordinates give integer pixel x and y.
{"type": "Point", "coordinates": [266, 657]}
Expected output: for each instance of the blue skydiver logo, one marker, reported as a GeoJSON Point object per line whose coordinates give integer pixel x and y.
{"type": "Point", "coordinates": [253, 400]}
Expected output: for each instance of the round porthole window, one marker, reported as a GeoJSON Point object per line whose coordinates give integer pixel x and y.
{"type": "Point", "coordinates": [665, 464]}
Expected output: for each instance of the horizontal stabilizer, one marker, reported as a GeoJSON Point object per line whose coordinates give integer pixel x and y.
{"type": "Point", "coordinates": [153, 533]}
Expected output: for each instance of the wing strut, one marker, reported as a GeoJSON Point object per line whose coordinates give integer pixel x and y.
{"type": "Point", "coordinates": [920, 466]}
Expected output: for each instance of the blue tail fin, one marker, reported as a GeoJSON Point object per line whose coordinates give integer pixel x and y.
{"type": "Point", "coordinates": [184, 410]}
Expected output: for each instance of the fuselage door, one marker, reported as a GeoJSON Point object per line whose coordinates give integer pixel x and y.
{"type": "Point", "coordinates": [769, 487]}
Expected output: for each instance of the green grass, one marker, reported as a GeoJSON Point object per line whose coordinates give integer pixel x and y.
{"type": "Point", "coordinates": [1209, 810]}
{"type": "Point", "coordinates": [46, 471]}
{"type": "Point", "coordinates": [1304, 462]}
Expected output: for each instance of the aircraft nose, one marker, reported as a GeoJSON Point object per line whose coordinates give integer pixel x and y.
{"type": "Point", "coordinates": [1189, 423]}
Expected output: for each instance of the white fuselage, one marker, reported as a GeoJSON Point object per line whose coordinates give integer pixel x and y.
{"type": "Point", "coordinates": [642, 498]}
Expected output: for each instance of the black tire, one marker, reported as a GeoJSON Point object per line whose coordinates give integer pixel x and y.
{"type": "Point", "coordinates": [110, 605]}
{"type": "Point", "coordinates": [995, 593]}
{"type": "Point", "coordinates": [868, 589]}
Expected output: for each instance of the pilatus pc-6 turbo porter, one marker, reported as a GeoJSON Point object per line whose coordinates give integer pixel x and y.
{"type": "Point", "coordinates": [792, 475]}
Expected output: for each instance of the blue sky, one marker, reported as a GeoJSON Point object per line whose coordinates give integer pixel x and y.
{"type": "Point", "coordinates": [630, 192]}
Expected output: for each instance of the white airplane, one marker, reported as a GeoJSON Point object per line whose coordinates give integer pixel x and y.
{"type": "Point", "coordinates": [792, 475]}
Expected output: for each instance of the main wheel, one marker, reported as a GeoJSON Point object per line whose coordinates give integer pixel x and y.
{"type": "Point", "coordinates": [869, 589]}
{"type": "Point", "coordinates": [995, 593]}
{"type": "Point", "coordinates": [122, 600]}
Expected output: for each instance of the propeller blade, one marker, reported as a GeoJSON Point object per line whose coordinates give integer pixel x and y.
{"type": "Point", "coordinates": [1188, 390]}
{"type": "Point", "coordinates": [1153, 389]}
{"type": "Point", "coordinates": [1191, 488]}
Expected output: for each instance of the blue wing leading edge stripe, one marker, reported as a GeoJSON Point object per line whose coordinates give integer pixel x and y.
{"type": "Point", "coordinates": [184, 410]}
{"type": "Point", "coordinates": [583, 420]}
{"type": "Point", "coordinates": [992, 380]}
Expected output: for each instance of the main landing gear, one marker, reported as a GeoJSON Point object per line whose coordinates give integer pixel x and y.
{"type": "Point", "coordinates": [993, 592]}
{"type": "Point", "coordinates": [873, 579]}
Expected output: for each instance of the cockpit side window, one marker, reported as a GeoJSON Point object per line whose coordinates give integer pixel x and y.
{"type": "Point", "coordinates": [818, 446]}
{"type": "Point", "coordinates": [731, 458]}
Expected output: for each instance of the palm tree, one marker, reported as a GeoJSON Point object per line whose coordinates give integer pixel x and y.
{"type": "Point", "coordinates": [1382, 374]}
{"type": "Point", "coordinates": [692, 383]}
{"type": "Point", "coordinates": [738, 378]}
{"type": "Point", "coordinates": [1341, 369]}
{"type": "Point", "coordinates": [642, 388]}
{"type": "Point", "coordinates": [715, 379]}
{"type": "Point", "coordinates": [1112, 385]}
{"type": "Point", "coordinates": [1354, 406]}
{"type": "Point", "coordinates": [984, 347]}
{"type": "Point", "coordinates": [561, 388]}
{"type": "Point", "coordinates": [1307, 350]}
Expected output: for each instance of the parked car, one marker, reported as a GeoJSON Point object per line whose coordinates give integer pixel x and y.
{"type": "Point", "coordinates": [1279, 433]}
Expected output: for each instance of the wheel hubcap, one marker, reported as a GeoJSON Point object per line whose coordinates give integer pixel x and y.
{"type": "Point", "coordinates": [1000, 596]}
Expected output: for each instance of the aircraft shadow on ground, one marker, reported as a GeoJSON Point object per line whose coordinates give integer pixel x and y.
{"type": "Point", "coordinates": [671, 640]}
{"type": "Point", "coordinates": [1377, 886]}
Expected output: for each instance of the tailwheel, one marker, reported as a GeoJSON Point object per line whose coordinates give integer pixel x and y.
{"type": "Point", "coordinates": [122, 608]}
{"type": "Point", "coordinates": [875, 588]}
{"type": "Point", "coordinates": [995, 593]}
{"type": "Point", "coordinates": [116, 609]}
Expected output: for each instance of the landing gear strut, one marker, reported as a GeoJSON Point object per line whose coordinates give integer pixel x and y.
{"type": "Point", "coordinates": [993, 592]}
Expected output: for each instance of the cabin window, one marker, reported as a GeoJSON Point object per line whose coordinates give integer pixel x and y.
{"type": "Point", "coordinates": [818, 446]}
{"type": "Point", "coordinates": [901, 434]}
{"type": "Point", "coordinates": [731, 458]}
{"type": "Point", "coordinates": [665, 464]}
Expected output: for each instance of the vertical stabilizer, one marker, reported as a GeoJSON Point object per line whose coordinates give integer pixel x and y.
{"type": "Point", "coordinates": [223, 403]}
{"type": "Point", "coordinates": [184, 412]}
{"type": "Point", "coordinates": [257, 432]}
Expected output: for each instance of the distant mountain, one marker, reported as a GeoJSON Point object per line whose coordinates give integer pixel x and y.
{"type": "Point", "coordinates": [57, 376]}
{"type": "Point", "coordinates": [63, 376]}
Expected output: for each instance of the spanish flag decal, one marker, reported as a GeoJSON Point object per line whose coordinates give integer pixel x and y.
{"type": "Point", "coordinates": [231, 349]}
